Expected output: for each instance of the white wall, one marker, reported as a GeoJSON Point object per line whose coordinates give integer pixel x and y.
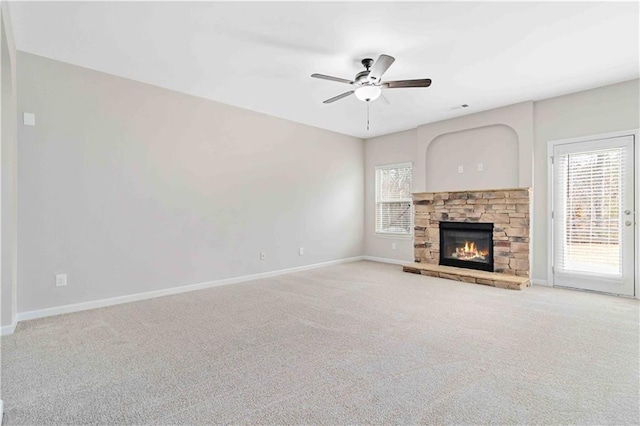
{"type": "Point", "coordinates": [130, 188]}
{"type": "Point", "coordinates": [606, 109]}
{"type": "Point", "coordinates": [395, 148]}
{"type": "Point", "coordinates": [8, 291]}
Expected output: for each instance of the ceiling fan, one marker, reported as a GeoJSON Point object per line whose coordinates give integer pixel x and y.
{"type": "Point", "coordinates": [368, 84]}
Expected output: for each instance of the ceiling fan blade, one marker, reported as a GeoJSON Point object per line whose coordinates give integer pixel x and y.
{"type": "Point", "coordinates": [425, 82]}
{"type": "Point", "coordinates": [331, 78]}
{"type": "Point", "coordinates": [337, 98]}
{"type": "Point", "coordinates": [380, 67]}
{"type": "Point", "coordinates": [383, 99]}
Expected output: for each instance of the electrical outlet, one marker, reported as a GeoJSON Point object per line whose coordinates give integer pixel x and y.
{"type": "Point", "coordinates": [394, 246]}
{"type": "Point", "coordinates": [61, 280]}
{"type": "Point", "coordinates": [301, 251]}
{"type": "Point", "coordinates": [460, 169]}
{"type": "Point", "coordinates": [262, 256]}
{"type": "Point", "coordinates": [29, 119]}
{"type": "Point", "coordinates": [480, 167]}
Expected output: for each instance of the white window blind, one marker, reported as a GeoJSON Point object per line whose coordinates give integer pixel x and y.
{"type": "Point", "coordinates": [393, 199]}
{"type": "Point", "coordinates": [588, 205]}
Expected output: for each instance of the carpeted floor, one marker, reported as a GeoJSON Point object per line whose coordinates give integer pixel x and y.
{"type": "Point", "coordinates": [353, 343]}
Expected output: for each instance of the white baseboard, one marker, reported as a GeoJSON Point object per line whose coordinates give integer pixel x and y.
{"type": "Point", "coordinates": [77, 307]}
{"type": "Point", "coordinates": [536, 281]}
{"type": "Point", "coordinates": [6, 330]}
{"type": "Point", "coordinates": [386, 260]}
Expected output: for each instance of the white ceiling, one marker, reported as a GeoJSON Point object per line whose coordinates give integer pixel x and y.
{"type": "Point", "coordinates": [260, 55]}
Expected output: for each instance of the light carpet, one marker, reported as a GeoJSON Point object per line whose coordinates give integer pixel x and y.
{"type": "Point", "coordinates": [347, 344]}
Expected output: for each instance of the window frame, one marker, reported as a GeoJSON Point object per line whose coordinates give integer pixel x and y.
{"type": "Point", "coordinates": [392, 235]}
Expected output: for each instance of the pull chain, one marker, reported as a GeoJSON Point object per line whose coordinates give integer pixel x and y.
{"type": "Point", "coordinates": [367, 115]}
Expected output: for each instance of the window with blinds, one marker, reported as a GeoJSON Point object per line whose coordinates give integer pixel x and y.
{"type": "Point", "coordinates": [588, 205]}
{"type": "Point", "coordinates": [393, 199]}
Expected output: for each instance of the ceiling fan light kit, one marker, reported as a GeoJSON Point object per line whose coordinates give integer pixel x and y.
{"type": "Point", "coordinates": [368, 93]}
{"type": "Point", "coordinates": [368, 83]}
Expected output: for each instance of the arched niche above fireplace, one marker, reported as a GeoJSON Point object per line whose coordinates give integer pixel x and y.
{"type": "Point", "coordinates": [471, 159]}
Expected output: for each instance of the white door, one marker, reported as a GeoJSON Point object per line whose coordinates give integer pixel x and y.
{"type": "Point", "coordinates": [593, 215]}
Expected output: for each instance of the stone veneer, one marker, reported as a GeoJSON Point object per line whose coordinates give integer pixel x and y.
{"type": "Point", "coordinates": [507, 209]}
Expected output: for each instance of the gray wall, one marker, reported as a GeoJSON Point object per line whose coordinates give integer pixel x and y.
{"type": "Point", "coordinates": [8, 295]}
{"type": "Point", "coordinates": [512, 125]}
{"type": "Point", "coordinates": [605, 109]}
{"type": "Point", "coordinates": [129, 188]}
{"type": "Point", "coordinates": [495, 147]}
{"type": "Point", "coordinates": [395, 148]}
{"type": "Point", "coordinates": [437, 149]}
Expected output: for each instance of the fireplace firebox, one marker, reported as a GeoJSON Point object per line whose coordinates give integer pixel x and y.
{"type": "Point", "coordinates": [467, 245]}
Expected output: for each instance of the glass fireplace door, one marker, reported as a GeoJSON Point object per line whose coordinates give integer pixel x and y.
{"type": "Point", "coordinates": [467, 245]}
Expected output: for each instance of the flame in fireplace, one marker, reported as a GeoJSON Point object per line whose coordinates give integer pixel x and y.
{"type": "Point", "coordinates": [470, 247]}
{"type": "Point", "coordinates": [470, 252]}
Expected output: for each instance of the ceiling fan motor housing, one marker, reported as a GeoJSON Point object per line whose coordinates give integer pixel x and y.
{"type": "Point", "coordinates": [362, 77]}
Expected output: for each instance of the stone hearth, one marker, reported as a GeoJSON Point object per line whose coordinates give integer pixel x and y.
{"type": "Point", "coordinates": [473, 276]}
{"type": "Point", "coordinates": [507, 209]}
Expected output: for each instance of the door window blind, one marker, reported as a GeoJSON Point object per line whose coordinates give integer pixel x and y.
{"type": "Point", "coordinates": [588, 212]}
{"type": "Point", "coordinates": [393, 199]}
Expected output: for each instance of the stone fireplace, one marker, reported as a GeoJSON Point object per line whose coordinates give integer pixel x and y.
{"type": "Point", "coordinates": [504, 213]}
